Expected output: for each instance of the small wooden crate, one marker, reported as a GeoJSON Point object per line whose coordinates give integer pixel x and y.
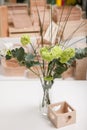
{"type": "Point", "coordinates": [61, 114]}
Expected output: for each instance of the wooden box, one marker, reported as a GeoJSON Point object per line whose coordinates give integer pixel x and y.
{"type": "Point", "coordinates": [61, 114]}
{"type": "Point", "coordinates": [12, 68]}
{"type": "Point", "coordinates": [70, 12]}
{"type": "Point", "coordinates": [37, 3]}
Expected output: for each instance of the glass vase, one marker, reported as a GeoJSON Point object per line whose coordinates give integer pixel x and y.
{"type": "Point", "coordinates": [46, 98]}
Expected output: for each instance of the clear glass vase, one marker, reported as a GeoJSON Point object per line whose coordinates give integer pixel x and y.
{"type": "Point", "coordinates": [46, 99]}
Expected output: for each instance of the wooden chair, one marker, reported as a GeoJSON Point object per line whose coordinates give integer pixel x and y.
{"type": "Point", "coordinates": [3, 21]}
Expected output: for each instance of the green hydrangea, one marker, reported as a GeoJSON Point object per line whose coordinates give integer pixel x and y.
{"type": "Point", "coordinates": [25, 39]}
{"type": "Point", "coordinates": [67, 54]}
{"type": "Point", "coordinates": [49, 54]}
{"type": "Point", "coordinates": [45, 53]}
{"type": "Point", "coordinates": [56, 52]}
{"type": "Point", "coordinates": [43, 49]}
{"type": "Point", "coordinates": [71, 52]}
{"type": "Point", "coordinates": [48, 78]}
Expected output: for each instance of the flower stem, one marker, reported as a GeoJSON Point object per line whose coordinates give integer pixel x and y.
{"type": "Point", "coordinates": [37, 59]}
{"type": "Point", "coordinates": [46, 99]}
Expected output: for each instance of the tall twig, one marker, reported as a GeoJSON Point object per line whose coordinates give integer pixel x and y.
{"type": "Point", "coordinates": [66, 20]}
{"type": "Point", "coordinates": [74, 42]}
{"type": "Point", "coordinates": [41, 34]}
{"type": "Point", "coordinates": [58, 24]}
{"type": "Point", "coordinates": [51, 23]}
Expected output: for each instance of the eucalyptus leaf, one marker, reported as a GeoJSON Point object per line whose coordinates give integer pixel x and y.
{"type": "Point", "coordinates": [8, 57]}
{"type": "Point", "coordinates": [31, 63]}
{"type": "Point", "coordinates": [81, 53]}
{"type": "Point", "coordinates": [59, 69]}
{"type": "Point", "coordinates": [70, 62]}
{"type": "Point", "coordinates": [29, 57]}
{"type": "Point", "coordinates": [20, 54]}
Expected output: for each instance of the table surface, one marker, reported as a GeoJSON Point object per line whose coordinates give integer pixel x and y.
{"type": "Point", "coordinates": [20, 100]}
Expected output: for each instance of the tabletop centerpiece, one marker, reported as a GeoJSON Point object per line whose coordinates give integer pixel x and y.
{"type": "Point", "coordinates": [47, 62]}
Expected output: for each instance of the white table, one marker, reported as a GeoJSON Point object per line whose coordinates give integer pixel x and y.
{"type": "Point", "coordinates": [19, 104]}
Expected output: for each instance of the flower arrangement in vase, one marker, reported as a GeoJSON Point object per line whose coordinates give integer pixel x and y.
{"type": "Point", "coordinates": [47, 62]}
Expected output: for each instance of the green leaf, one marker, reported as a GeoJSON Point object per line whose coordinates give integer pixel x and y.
{"type": "Point", "coordinates": [8, 57]}
{"type": "Point", "coordinates": [81, 53]}
{"type": "Point", "coordinates": [70, 62]}
{"type": "Point", "coordinates": [59, 69]}
{"type": "Point", "coordinates": [31, 63]}
{"type": "Point", "coordinates": [19, 54]}
{"type": "Point", "coordinates": [51, 65]}
{"type": "Point", "coordinates": [85, 50]}
{"type": "Point", "coordinates": [14, 52]}
{"type": "Point", "coordinates": [29, 57]}
{"type": "Point", "coordinates": [56, 75]}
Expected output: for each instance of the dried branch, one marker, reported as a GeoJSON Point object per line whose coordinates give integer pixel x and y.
{"type": "Point", "coordinates": [66, 20]}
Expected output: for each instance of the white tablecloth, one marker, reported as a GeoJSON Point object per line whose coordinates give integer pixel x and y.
{"type": "Point", "coordinates": [20, 100]}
